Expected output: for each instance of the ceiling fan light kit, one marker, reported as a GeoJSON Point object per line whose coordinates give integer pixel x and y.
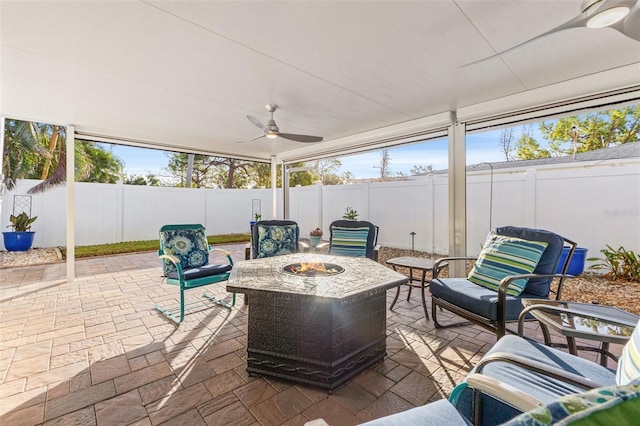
{"type": "Point", "coordinates": [608, 17]}
{"type": "Point", "coordinates": [271, 130]}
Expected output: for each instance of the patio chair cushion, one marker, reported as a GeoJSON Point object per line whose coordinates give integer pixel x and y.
{"type": "Point", "coordinates": [440, 413]}
{"type": "Point", "coordinates": [276, 240]}
{"type": "Point", "coordinates": [614, 405]}
{"type": "Point", "coordinates": [549, 260]}
{"type": "Point", "coordinates": [203, 271]}
{"type": "Point", "coordinates": [188, 245]}
{"type": "Point", "coordinates": [477, 299]}
{"type": "Point", "coordinates": [349, 241]}
{"type": "Point", "coordinates": [539, 386]}
{"type": "Point", "coordinates": [502, 256]}
{"type": "Point", "coordinates": [629, 362]}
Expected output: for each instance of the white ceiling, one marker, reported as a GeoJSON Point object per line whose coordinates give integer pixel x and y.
{"type": "Point", "coordinates": [185, 74]}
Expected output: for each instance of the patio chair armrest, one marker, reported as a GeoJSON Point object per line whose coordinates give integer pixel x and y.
{"type": "Point", "coordinates": [376, 253]}
{"type": "Point", "coordinates": [173, 259]}
{"type": "Point", "coordinates": [247, 251]}
{"type": "Point", "coordinates": [437, 264]}
{"type": "Point", "coordinates": [303, 246]}
{"type": "Point", "coordinates": [503, 392]}
{"type": "Point", "coordinates": [537, 367]}
{"type": "Point", "coordinates": [223, 252]}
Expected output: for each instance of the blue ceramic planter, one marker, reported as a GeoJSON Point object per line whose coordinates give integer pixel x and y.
{"type": "Point", "coordinates": [576, 266]}
{"type": "Point", "coordinates": [18, 241]}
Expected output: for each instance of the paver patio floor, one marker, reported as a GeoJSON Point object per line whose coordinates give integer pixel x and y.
{"type": "Point", "coordinates": [96, 352]}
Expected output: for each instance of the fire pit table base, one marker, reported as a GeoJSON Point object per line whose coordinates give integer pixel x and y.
{"type": "Point", "coordinates": [319, 341]}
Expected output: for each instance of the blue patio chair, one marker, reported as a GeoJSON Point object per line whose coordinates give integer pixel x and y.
{"type": "Point", "coordinates": [184, 253]}
{"type": "Point", "coordinates": [273, 238]}
{"type": "Point", "coordinates": [354, 238]}
{"type": "Point", "coordinates": [515, 263]}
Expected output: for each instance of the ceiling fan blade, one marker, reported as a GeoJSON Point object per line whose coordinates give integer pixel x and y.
{"type": "Point", "coordinates": [256, 122]}
{"type": "Point", "coordinates": [578, 21]}
{"type": "Point", "coordinates": [631, 24]}
{"type": "Point", "coordinates": [251, 140]}
{"type": "Point", "coordinates": [300, 138]}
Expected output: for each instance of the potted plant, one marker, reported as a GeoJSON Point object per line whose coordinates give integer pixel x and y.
{"type": "Point", "coordinates": [315, 236]}
{"type": "Point", "coordinates": [20, 239]}
{"type": "Point", "coordinates": [350, 214]}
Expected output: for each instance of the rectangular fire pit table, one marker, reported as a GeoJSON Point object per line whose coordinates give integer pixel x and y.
{"type": "Point", "coordinates": [320, 330]}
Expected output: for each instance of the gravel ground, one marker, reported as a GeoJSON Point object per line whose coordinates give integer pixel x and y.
{"type": "Point", "coordinates": [588, 287]}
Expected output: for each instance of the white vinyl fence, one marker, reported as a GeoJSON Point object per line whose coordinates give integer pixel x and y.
{"type": "Point", "coordinates": [591, 203]}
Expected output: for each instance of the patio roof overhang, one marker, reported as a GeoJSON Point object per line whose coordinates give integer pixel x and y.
{"type": "Point", "coordinates": [184, 75]}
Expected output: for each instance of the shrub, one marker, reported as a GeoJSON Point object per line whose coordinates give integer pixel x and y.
{"type": "Point", "coordinates": [621, 264]}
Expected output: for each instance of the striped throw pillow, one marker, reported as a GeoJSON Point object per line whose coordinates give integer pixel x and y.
{"type": "Point", "coordinates": [349, 241]}
{"type": "Point", "coordinates": [502, 256]}
{"type": "Point", "coordinates": [629, 362]}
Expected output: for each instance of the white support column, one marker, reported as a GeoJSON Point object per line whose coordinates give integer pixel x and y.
{"type": "Point", "coordinates": [457, 197]}
{"type": "Point", "coordinates": [274, 187]}
{"type": "Point", "coordinates": [71, 210]}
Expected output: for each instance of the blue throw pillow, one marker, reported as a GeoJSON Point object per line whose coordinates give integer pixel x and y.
{"type": "Point", "coordinates": [349, 241]}
{"type": "Point", "coordinates": [276, 240]}
{"type": "Point", "coordinates": [502, 256]}
{"type": "Point", "coordinates": [188, 245]}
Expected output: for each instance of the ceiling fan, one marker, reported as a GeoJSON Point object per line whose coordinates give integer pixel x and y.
{"type": "Point", "coordinates": [621, 15]}
{"type": "Point", "coordinates": [272, 131]}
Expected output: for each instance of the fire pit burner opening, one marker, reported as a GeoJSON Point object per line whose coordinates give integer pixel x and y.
{"type": "Point", "coordinates": [313, 269]}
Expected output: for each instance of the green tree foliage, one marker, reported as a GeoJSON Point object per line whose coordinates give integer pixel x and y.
{"type": "Point", "coordinates": [591, 131]}
{"type": "Point", "coordinates": [37, 151]}
{"type": "Point", "coordinates": [135, 180]}
{"type": "Point", "coordinates": [385, 164]}
{"type": "Point", "coordinates": [418, 170]}
{"type": "Point", "coordinates": [595, 130]}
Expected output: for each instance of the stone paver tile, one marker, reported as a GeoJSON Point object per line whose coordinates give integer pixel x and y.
{"type": "Point", "coordinates": [137, 341]}
{"type": "Point", "coordinates": [32, 415]}
{"type": "Point", "coordinates": [234, 414]}
{"type": "Point", "coordinates": [155, 357]}
{"type": "Point", "coordinates": [416, 388]}
{"type": "Point", "coordinates": [296, 421]}
{"type": "Point", "coordinates": [84, 417]}
{"type": "Point", "coordinates": [387, 404]}
{"type": "Point", "coordinates": [58, 333]}
{"type": "Point", "coordinates": [414, 362]}
{"type": "Point", "coordinates": [104, 351]}
{"type": "Point", "coordinates": [281, 407]}
{"type": "Point", "coordinates": [138, 378]}
{"type": "Point", "coordinates": [56, 390]}
{"type": "Point", "coordinates": [226, 362]}
{"type": "Point", "coordinates": [220, 349]}
{"type": "Point", "coordinates": [254, 392]}
{"type": "Point", "coordinates": [447, 380]}
{"type": "Point", "coordinates": [121, 410]}
{"type": "Point", "coordinates": [85, 343]}
{"type": "Point", "coordinates": [32, 350]}
{"type": "Point", "coordinates": [12, 388]}
{"type": "Point", "coordinates": [332, 412]}
{"type": "Point", "coordinates": [190, 418]}
{"type": "Point", "coordinates": [23, 400]}
{"type": "Point", "coordinates": [76, 400]}
{"type": "Point", "coordinates": [216, 404]}
{"type": "Point", "coordinates": [223, 383]}
{"type": "Point", "coordinates": [143, 422]}
{"type": "Point", "coordinates": [138, 362]}
{"type": "Point", "coordinates": [68, 358]}
{"type": "Point", "coordinates": [80, 381]}
{"type": "Point", "coordinates": [177, 403]}
{"type": "Point", "coordinates": [315, 394]}
{"type": "Point", "coordinates": [398, 373]}
{"type": "Point", "coordinates": [194, 372]}
{"type": "Point", "coordinates": [109, 369]}
{"type": "Point", "coordinates": [373, 382]}
{"type": "Point", "coordinates": [99, 329]}
{"type": "Point", "coordinates": [28, 367]}
{"type": "Point", "coordinates": [353, 397]}
{"type": "Point", "coordinates": [159, 389]}
{"type": "Point", "coordinates": [71, 338]}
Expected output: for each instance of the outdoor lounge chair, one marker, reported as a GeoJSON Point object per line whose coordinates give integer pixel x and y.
{"type": "Point", "coordinates": [520, 376]}
{"type": "Point", "coordinates": [273, 238]}
{"type": "Point", "coordinates": [184, 253]}
{"type": "Point", "coordinates": [515, 263]}
{"type": "Point", "coordinates": [354, 238]}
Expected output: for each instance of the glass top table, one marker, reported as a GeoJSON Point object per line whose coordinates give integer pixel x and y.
{"type": "Point", "coordinates": [601, 323]}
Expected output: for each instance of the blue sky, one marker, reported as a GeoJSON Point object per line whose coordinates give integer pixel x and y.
{"type": "Point", "coordinates": [480, 147]}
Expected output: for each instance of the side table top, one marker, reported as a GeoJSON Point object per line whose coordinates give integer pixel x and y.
{"type": "Point", "coordinates": [584, 319]}
{"type": "Point", "coordinates": [412, 262]}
